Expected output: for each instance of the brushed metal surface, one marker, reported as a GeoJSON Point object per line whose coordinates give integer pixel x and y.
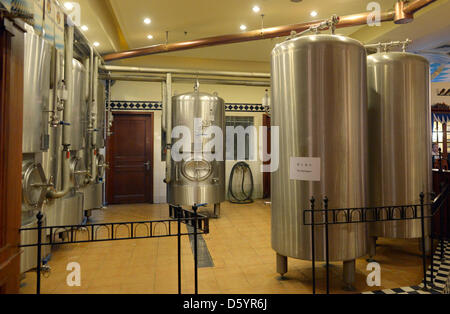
{"type": "Point", "coordinates": [399, 136]}
{"type": "Point", "coordinates": [93, 198]}
{"type": "Point", "coordinates": [185, 190]}
{"type": "Point", "coordinates": [78, 121]}
{"type": "Point", "coordinates": [100, 115]}
{"type": "Point", "coordinates": [66, 211]}
{"type": "Point", "coordinates": [36, 92]}
{"type": "Point", "coordinates": [319, 97]}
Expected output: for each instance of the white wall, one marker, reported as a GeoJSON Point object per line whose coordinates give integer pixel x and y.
{"type": "Point", "coordinates": [148, 91]}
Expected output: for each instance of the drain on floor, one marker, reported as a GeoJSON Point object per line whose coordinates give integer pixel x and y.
{"type": "Point", "coordinates": [204, 257]}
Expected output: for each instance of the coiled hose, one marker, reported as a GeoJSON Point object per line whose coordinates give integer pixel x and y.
{"type": "Point", "coordinates": [241, 197]}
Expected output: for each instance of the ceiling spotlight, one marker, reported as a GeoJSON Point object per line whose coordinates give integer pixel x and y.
{"type": "Point", "coordinates": [68, 5]}
{"type": "Point", "coordinates": [150, 36]}
{"type": "Point", "coordinates": [147, 20]}
{"type": "Point", "coordinates": [84, 28]}
{"type": "Point", "coordinates": [243, 27]}
{"type": "Point", "coordinates": [256, 9]}
{"type": "Point", "coordinates": [96, 44]}
{"type": "Point", "coordinates": [313, 13]}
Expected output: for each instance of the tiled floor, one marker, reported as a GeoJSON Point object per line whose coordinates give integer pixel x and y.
{"type": "Point", "coordinates": [239, 244]}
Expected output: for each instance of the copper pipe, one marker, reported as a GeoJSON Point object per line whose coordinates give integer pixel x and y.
{"type": "Point", "coordinates": [401, 17]}
{"type": "Point", "coordinates": [212, 41]}
{"type": "Point", "coordinates": [272, 32]}
{"type": "Point", "coordinates": [416, 5]}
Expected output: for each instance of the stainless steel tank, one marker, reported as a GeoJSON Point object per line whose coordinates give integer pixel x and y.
{"type": "Point", "coordinates": [319, 97]}
{"type": "Point", "coordinates": [78, 121]}
{"type": "Point", "coordinates": [37, 59]}
{"type": "Point", "coordinates": [197, 181]}
{"type": "Point", "coordinates": [399, 136]}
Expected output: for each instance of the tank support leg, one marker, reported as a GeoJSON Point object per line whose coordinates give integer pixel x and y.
{"type": "Point", "coordinates": [282, 265]}
{"type": "Point", "coordinates": [372, 249]}
{"type": "Point", "coordinates": [349, 275]}
{"type": "Point", "coordinates": [217, 210]}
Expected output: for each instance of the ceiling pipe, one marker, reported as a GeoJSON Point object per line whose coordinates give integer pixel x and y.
{"type": "Point", "coordinates": [186, 80]}
{"type": "Point", "coordinates": [114, 68]}
{"type": "Point", "coordinates": [402, 17]}
{"type": "Point", "coordinates": [403, 14]}
{"type": "Point", "coordinates": [415, 6]}
{"type": "Point", "coordinates": [272, 32]}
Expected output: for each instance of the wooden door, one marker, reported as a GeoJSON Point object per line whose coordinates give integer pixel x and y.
{"type": "Point", "coordinates": [130, 157]}
{"type": "Point", "coordinates": [11, 115]}
{"type": "Point", "coordinates": [266, 175]}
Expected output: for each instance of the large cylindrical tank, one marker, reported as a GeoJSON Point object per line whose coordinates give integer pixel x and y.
{"type": "Point", "coordinates": [78, 121]}
{"type": "Point", "coordinates": [198, 181]}
{"type": "Point", "coordinates": [319, 97]}
{"type": "Point", "coordinates": [37, 59]}
{"type": "Point", "coordinates": [399, 136]}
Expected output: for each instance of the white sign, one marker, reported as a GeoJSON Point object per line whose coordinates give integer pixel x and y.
{"type": "Point", "coordinates": [305, 169]}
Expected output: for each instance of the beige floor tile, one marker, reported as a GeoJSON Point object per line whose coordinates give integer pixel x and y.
{"type": "Point", "coordinates": [239, 244]}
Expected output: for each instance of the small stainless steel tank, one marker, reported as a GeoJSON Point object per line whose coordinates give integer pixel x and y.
{"type": "Point", "coordinates": [319, 103]}
{"type": "Point", "coordinates": [399, 136]}
{"type": "Point", "coordinates": [197, 181]}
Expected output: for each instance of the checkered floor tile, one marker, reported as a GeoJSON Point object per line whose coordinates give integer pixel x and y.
{"type": "Point", "coordinates": [441, 276]}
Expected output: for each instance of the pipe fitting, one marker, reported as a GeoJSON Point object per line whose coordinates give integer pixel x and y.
{"type": "Point", "coordinates": [401, 17]}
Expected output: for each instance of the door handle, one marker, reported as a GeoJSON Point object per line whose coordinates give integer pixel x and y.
{"type": "Point", "coordinates": [147, 165]}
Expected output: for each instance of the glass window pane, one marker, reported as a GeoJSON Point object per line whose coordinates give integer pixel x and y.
{"type": "Point", "coordinates": [440, 128]}
{"type": "Point", "coordinates": [434, 136]}
{"type": "Point", "coordinates": [440, 136]}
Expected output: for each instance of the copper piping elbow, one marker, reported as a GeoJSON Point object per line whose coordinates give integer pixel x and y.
{"type": "Point", "coordinates": [400, 16]}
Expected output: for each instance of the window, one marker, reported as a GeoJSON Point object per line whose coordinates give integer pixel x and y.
{"type": "Point", "coordinates": [245, 123]}
{"type": "Point", "coordinates": [438, 134]}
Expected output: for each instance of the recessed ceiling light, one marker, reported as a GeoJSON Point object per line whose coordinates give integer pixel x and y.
{"type": "Point", "coordinates": [147, 20]}
{"type": "Point", "coordinates": [150, 36]}
{"type": "Point", "coordinates": [256, 9]}
{"type": "Point", "coordinates": [243, 27]}
{"type": "Point", "coordinates": [96, 43]}
{"type": "Point", "coordinates": [313, 13]}
{"type": "Point", "coordinates": [84, 28]}
{"type": "Point", "coordinates": [68, 5]}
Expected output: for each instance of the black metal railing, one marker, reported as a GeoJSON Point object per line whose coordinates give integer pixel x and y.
{"type": "Point", "coordinates": [135, 230]}
{"type": "Point", "coordinates": [326, 217]}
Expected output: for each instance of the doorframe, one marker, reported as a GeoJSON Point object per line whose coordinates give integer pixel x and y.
{"type": "Point", "coordinates": [109, 159]}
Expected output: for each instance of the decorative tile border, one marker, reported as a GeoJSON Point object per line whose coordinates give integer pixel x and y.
{"type": "Point", "coordinates": [135, 105]}
{"type": "Point", "coordinates": [157, 105]}
{"type": "Point", "coordinates": [244, 108]}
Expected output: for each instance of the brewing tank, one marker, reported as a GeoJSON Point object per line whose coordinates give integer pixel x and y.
{"type": "Point", "coordinates": [78, 121]}
{"type": "Point", "coordinates": [37, 59]}
{"type": "Point", "coordinates": [319, 97]}
{"type": "Point", "coordinates": [399, 137]}
{"type": "Point", "coordinates": [198, 180]}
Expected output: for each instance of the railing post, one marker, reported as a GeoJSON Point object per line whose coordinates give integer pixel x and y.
{"type": "Point", "coordinates": [431, 249]}
{"type": "Point", "coordinates": [178, 213]}
{"type": "Point", "coordinates": [441, 228]}
{"type": "Point", "coordinates": [39, 217]}
{"type": "Point", "coordinates": [313, 248]}
{"type": "Point", "coordinates": [195, 249]}
{"type": "Point", "coordinates": [327, 257]}
{"type": "Point", "coordinates": [422, 224]}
